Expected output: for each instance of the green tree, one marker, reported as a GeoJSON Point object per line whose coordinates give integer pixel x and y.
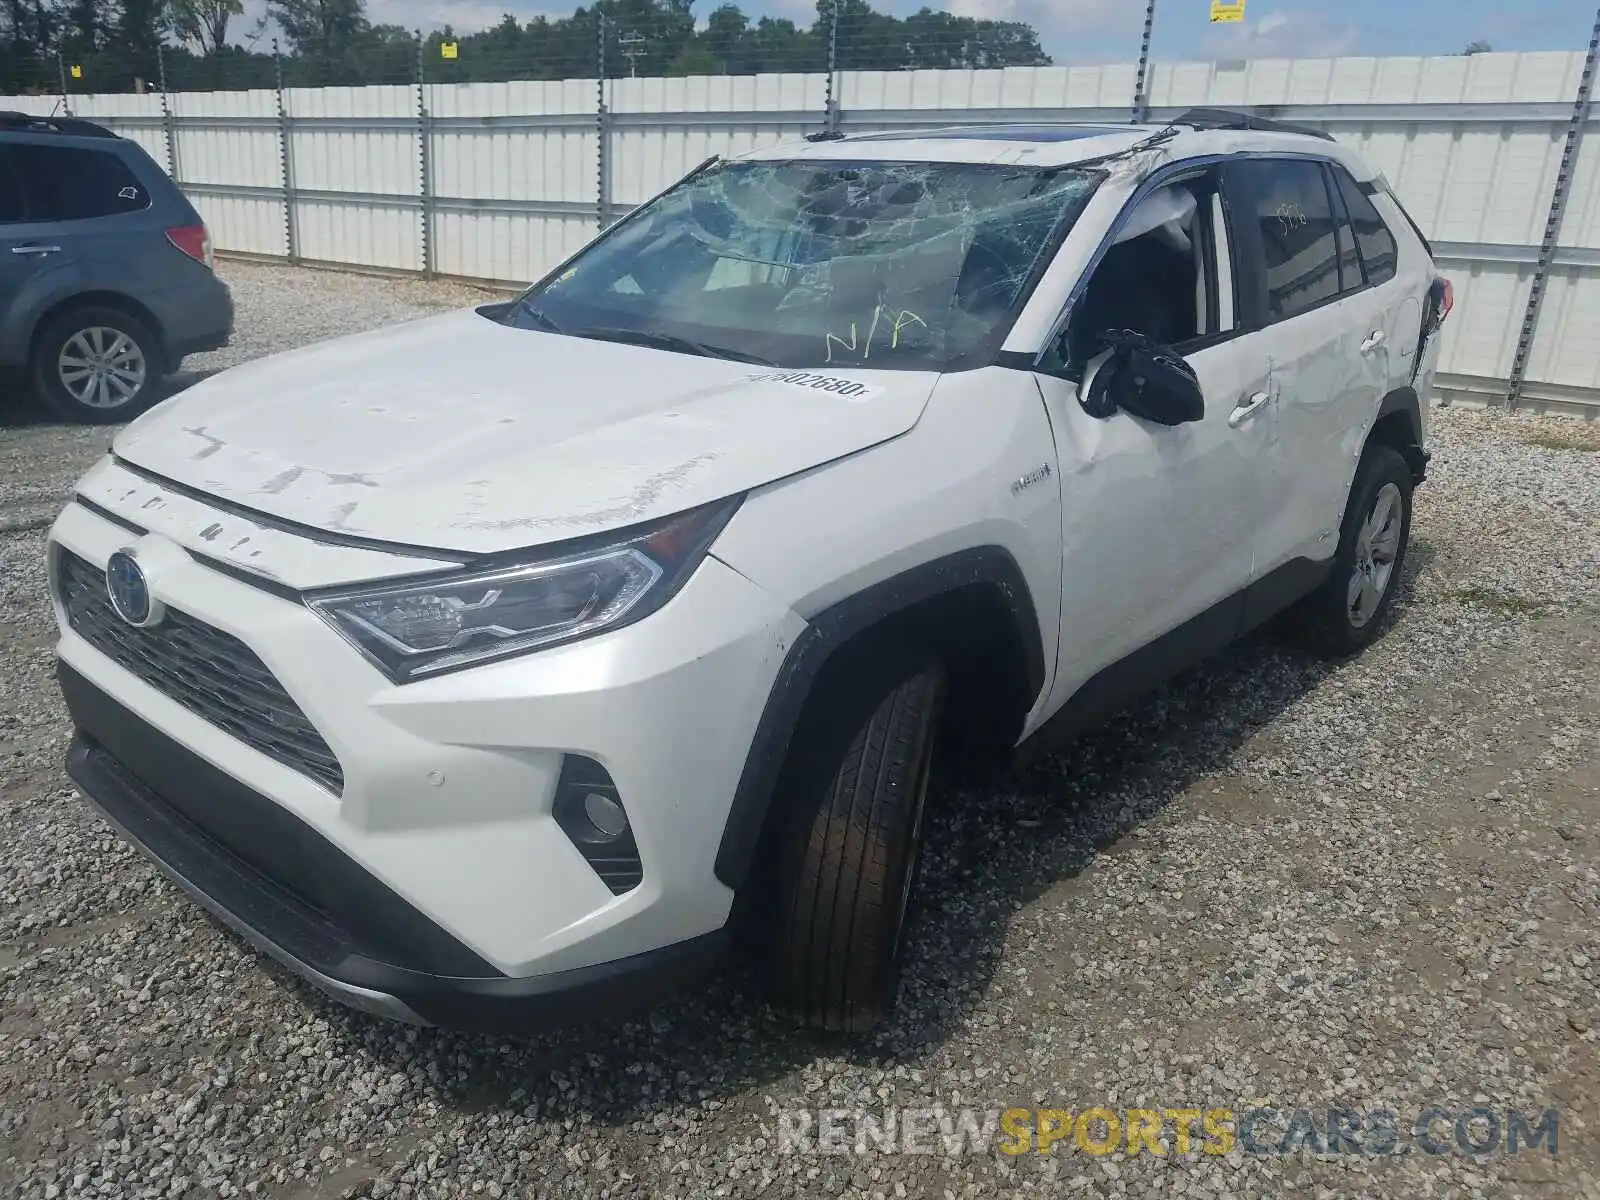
{"type": "Point", "coordinates": [727, 29]}
{"type": "Point", "coordinates": [201, 24]}
{"type": "Point", "coordinates": [778, 45]}
{"type": "Point", "coordinates": [138, 28]}
{"type": "Point", "coordinates": [695, 60]}
{"type": "Point", "coordinates": [868, 40]}
{"type": "Point", "coordinates": [323, 29]}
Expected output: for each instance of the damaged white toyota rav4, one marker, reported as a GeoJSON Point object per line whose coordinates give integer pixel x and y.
{"type": "Point", "coordinates": [490, 670]}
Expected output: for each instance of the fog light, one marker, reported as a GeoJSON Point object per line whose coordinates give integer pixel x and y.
{"type": "Point", "coordinates": [591, 814]}
{"type": "Point", "coordinates": [605, 814]}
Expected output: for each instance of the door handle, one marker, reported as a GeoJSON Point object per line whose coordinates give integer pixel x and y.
{"type": "Point", "coordinates": [1374, 340]}
{"type": "Point", "coordinates": [39, 250]}
{"type": "Point", "coordinates": [1247, 408]}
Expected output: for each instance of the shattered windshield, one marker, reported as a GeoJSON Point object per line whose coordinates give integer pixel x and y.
{"type": "Point", "coordinates": [912, 266]}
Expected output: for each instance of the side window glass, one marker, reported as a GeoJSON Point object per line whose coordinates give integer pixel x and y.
{"type": "Point", "coordinates": [1157, 278]}
{"type": "Point", "coordinates": [1289, 203]}
{"type": "Point", "coordinates": [13, 201]}
{"type": "Point", "coordinates": [1379, 254]}
{"type": "Point", "coordinates": [1351, 277]}
{"type": "Point", "coordinates": [73, 184]}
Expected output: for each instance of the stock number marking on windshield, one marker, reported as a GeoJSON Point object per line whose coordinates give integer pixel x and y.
{"type": "Point", "coordinates": [901, 319]}
{"type": "Point", "coordinates": [850, 389]}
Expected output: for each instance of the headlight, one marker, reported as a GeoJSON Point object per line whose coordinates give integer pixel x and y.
{"type": "Point", "coordinates": [424, 627]}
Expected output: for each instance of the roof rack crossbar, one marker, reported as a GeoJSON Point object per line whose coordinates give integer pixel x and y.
{"type": "Point", "coordinates": [1227, 118]}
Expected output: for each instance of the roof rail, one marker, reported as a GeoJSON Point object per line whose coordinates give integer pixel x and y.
{"type": "Point", "coordinates": [19, 122]}
{"type": "Point", "coordinates": [1227, 118]}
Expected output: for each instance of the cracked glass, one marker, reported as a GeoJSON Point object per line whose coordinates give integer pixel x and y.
{"type": "Point", "coordinates": [895, 265]}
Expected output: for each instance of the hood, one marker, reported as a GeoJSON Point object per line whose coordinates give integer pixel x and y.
{"type": "Point", "coordinates": [458, 433]}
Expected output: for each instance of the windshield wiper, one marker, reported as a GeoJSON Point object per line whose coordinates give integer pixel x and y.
{"type": "Point", "coordinates": [538, 316]}
{"type": "Point", "coordinates": [670, 341]}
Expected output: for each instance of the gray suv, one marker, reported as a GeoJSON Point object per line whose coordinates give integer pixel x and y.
{"type": "Point", "coordinates": [105, 269]}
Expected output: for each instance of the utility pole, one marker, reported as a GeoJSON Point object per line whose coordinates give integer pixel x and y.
{"type": "Point", "coordinates": [1141, 100]}
{"type": "Point", "coordinates": [632, 45]}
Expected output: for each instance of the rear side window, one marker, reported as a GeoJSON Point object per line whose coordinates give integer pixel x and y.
{"type": "Point", "coordinates": [67, 183]}
{"type": "Point", "coordinates": [13, 205]}
{"type": "Point", "coordinates": [1288, 201]}
{"type": "Point", "coordinates": [1379, 255]}
{"type": "Point", "coordinates": [1351, 276]}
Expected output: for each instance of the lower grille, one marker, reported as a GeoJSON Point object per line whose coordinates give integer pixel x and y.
{"type": "Point", "coordinates": [211, 673]}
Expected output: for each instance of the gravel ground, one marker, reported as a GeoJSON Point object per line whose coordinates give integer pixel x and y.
{"type": "Point", "coordinates": [1374, 885]}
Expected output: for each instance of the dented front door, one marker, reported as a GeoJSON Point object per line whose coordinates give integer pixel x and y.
{"type": "Point", "coordinates": [1159, 523]}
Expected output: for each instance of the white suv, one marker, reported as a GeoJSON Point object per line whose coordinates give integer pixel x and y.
{"type": "Point", "coordinates": [485, 669]}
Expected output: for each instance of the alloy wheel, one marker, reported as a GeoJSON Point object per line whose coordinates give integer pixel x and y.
{"type": "Point", "coordinates": [1377, 547]}
{"type": "Point", "coordinates": [101, 367]}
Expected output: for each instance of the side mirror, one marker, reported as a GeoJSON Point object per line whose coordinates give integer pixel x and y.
{"type": "Point", "coordinates": [1146, 380]}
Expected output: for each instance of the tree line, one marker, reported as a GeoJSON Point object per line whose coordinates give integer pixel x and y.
{"type": "Point", "coordinates": [119, 45]}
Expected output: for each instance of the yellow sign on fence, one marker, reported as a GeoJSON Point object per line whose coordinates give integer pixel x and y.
{"type": "Point", "coordinates": [449, 50]}
{"type": "Point", "coordinates": [77, 71]}
{"type": "Point", "coordinates": [1227, 10]}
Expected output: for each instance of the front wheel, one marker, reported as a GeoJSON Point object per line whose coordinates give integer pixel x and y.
{"type": "Point", "coordinates": [853, 794]}
{"type": "Point", "coordinates": [97, 366]}
{"type": "Point", "coordinates": [1346, 613]}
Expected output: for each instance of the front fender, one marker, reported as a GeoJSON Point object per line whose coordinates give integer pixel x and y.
{"type": "Point", "coordinates": [968, 502]}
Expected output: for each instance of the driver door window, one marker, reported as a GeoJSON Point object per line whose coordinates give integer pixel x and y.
{"type": "Point", "coordinates": [1167, 275]}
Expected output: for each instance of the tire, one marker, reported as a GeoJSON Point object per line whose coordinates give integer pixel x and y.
{"type": "Point", "coordinates": [120, 372]}
{"type": "Point", "coordinates": [1346, 614]}
{"type": "Point", "coordinates": [852, 797]}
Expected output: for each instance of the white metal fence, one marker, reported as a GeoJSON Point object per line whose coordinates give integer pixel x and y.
{"type": "Point", "coordinates": [498, 181]}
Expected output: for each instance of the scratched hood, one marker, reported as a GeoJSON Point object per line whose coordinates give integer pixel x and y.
{"type": "Point", "coordinates": [459, 433]}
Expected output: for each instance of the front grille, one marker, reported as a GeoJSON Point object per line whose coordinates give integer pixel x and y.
{"type": "Point", "coordinates": [211, 673]}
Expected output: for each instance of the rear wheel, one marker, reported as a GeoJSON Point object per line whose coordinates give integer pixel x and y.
{"type": "Point", "coordinates": [96, 365]}
{"type": "Point", "coordinates": [853, 796]}
{"type": "Point", "coordinates": [1347, 612]}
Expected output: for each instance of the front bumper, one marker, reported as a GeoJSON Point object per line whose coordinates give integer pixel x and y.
{"type": "Point", "coordinates": [152, 790]}
{"type": "Point", "coordinates": [432, 879]}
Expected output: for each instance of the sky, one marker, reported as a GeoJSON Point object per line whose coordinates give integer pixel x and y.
{"type": "Point", "coordinates": [1093, 31]}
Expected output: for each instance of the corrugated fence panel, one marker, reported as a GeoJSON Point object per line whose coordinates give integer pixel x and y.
{"type": "Point", "coordinates": [1566, 353]}
{"type": "Point", "coordinates": [542, 161]}
{"type": "Point", "coordinates": [506, 247]}
{"type": "Point", "coordinates": [228, 141]}
{"type": "Point", "coordinates": [335, 152]}
{"type": "Point", "coordinates": [664, 128]}
{"type": "Point", "coordinates": [136, 118]}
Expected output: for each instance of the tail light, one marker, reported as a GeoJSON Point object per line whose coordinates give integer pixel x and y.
{"type": "Point", "coordinates": [194, 241]}
{"type": "Point", "coordinates": [1441, 298]}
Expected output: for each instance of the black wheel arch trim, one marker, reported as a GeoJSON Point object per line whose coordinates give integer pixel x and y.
{"type": "Point", "coordinates": [1405, 400]}
{"type": "Point", "coordinates": [982, 566]}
